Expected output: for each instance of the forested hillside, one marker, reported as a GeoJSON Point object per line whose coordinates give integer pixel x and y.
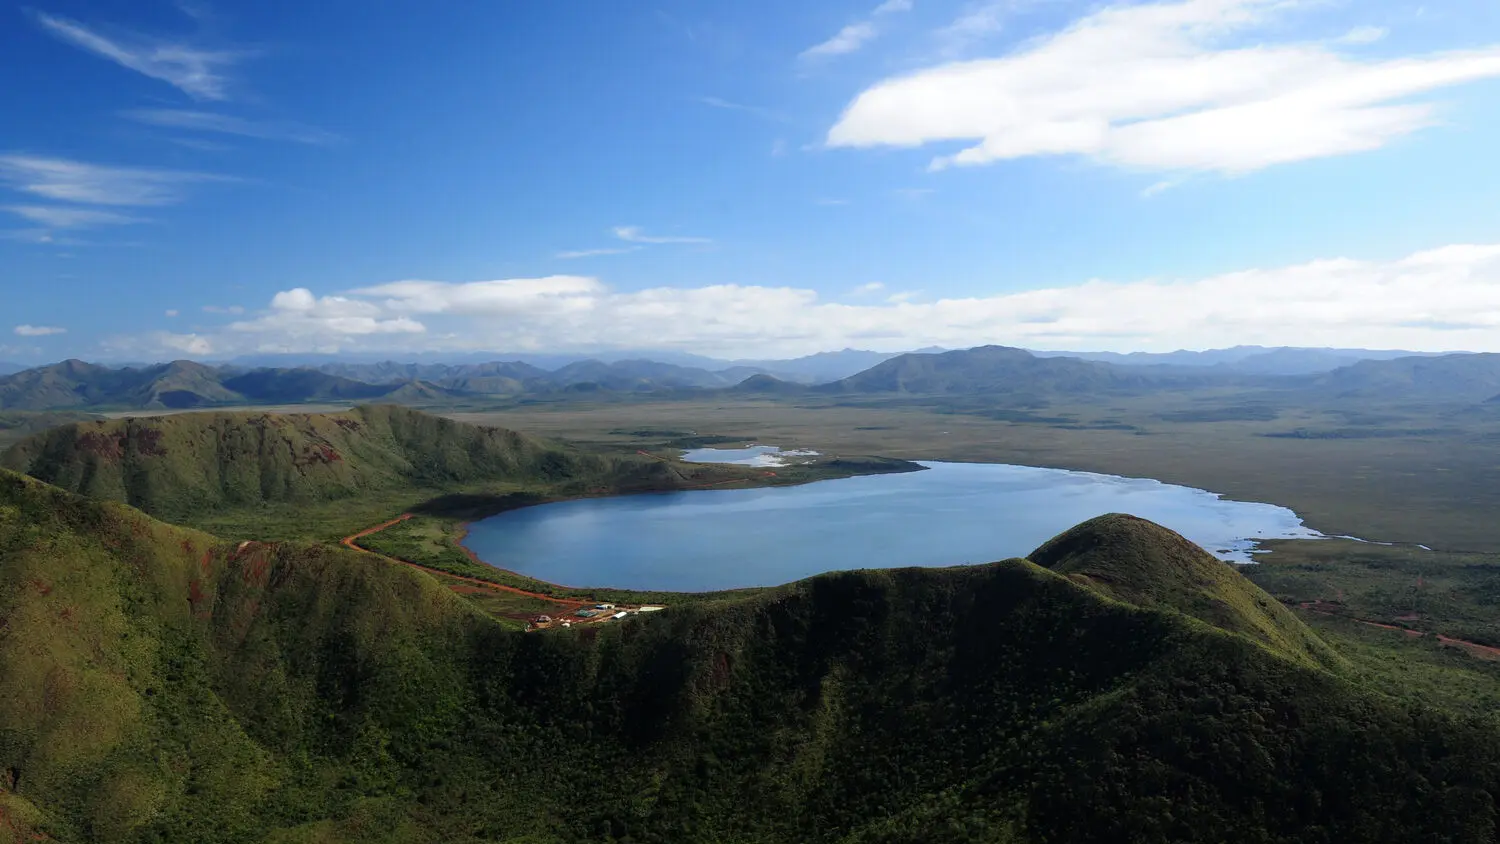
{"type": "Point", "coordinates": [209, 691]}
{"type": "Point", "coordinates": [177, 466]}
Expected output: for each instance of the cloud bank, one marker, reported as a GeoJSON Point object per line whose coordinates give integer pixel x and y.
{"type": "Point", "coordinates": [1163, 87]}
{"type": "Point", "coordinates": [1441, 299]}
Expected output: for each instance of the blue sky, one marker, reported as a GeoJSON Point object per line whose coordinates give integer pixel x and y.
{"type": "Point", "coordinates": [201, 179]}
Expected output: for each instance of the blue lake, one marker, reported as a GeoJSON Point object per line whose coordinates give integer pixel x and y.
{"type": "Point", "coordinates": [950, 514]}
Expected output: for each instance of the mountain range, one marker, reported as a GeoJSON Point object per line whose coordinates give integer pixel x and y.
{"type": "Point", "coordinates": [986, 370]}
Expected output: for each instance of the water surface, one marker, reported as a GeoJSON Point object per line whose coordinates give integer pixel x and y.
{"type": "Point", "coordinates": [950, 514]}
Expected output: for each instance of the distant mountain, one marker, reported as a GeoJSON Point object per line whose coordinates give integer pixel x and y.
{"type": "Point", "coordinates": [989, 370]}
{"type": "Point", "coordinates": [768, 385]}
{"type": "Point", "coordinates": [9, 368]}
{"type": "Point", "coordinates": [179, 385]}
{"type": "Point", "coordinates": [1249, 360]}
{"type": "Point", "coordinates": [390, 372]}
{"type": "Point", "coordinates": [1466, 377]}
{"type": "Point", "coordinates": [822, 367]}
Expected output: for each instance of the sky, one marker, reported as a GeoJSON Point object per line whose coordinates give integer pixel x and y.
{"type": "Point", "coordinates": [208, 179]}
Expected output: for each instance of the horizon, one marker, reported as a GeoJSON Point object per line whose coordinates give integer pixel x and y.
{"type": "Point", "coordinates": [195, 180]}
{"type": "Point", "coordinates": [553, 360]}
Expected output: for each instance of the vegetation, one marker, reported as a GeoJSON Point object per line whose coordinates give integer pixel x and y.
{"type": "Point", "coordinates": [194, 690]}
{"type": "Point", "coordinates": [203, 466]}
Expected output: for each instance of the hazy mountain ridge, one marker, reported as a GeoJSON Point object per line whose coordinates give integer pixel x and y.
{"type": "Point", "coordinates": [985, 370]}
{"type": "Point", "coordinates": [214, 691]}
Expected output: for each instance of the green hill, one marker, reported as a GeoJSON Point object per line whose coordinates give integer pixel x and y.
{"type": "Point", "coordinates": [158, 685]}
{"type": "Point", "coordinates": [181, 466]}
{"type": "Point", "coordinates": [1142, 563]}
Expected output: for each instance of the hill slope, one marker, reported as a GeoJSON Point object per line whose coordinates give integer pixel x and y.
{"type": "Point", "coordinates": [192, 690]}
{"type": "Point", "coordinates": [178, 466]}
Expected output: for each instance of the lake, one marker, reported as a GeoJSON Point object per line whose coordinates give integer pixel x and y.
{"type": "Point", "coordinates": [950, 514]}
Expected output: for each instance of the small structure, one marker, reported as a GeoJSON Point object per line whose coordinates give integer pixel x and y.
{"type": "Point", "coordinates": [586, 613]}
{"type": "Point", "coordinates": [604, 606]}
{"type": "Point", "coordinates": [544, 619]}
{"type": "Point", "coordinates": [650, 609]}
{"type": "Point", "coordinates": [567, 624]}
{"type": "Point", "coordinates": [619, 615]}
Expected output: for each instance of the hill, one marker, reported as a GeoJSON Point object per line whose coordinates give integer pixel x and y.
{"type": "Point", "coordinates": [1142, 563]}
{"type": "Point", "coordinates": [209, 691]}
{"type": "Point", "coordinates": [767, 385]}
{"type": "Point", "coordinates": [178, 467]}
{"type": "Point", "coordinates": [1466, 378]}
{"type": "Point", "coordinates": [990, 370]}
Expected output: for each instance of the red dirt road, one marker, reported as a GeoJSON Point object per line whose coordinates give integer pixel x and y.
{"type": "Point", "coordinates": [1474, 648]}
{"type": "Point", "coordinates": [352, 541]}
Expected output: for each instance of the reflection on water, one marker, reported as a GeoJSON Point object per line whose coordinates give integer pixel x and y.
{"type": "Point", "coordinates": [951, 514]}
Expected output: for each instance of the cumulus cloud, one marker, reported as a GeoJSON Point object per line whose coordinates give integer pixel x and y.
{"type": "Point", "coordinates": [38, 330]}
{"type": "Point", "coordinates": [298, 314]}
{"type": "Point", "coordinates": [1441, 299]}
{"type": "Point", "coordinates": [95, 184]}
{"type": "Point", "coordinates": [197, 72]}
{"type": "Point", "coordinates": [1162, 86]}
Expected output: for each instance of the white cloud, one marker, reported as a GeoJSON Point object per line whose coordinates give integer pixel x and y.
{"type": "Point", "coordinates": [197, 72]}
{"type": "Point", "coordinates": [173, 313]}
{"type": "Point", "coordinates": [38, 330]}
{"type": "Point", "coordinates": [855, 35]}
{"type": "Point", "coordinates": [191, 344]}
{"type": "Point", "coordinates": [591, 253]}
{"type": "Point", "coordinates": [76, 181]}
{"type": "Point", "coordinates": [1159, 86]}
{"type": "Point", "coordinates": [220, 309]}
{"type": "Point", "coordinates": [869, 288]}
{"type": "Point", "coordinates": [634, 234]}
{"type": "Point", "coordinates": [846, 40]}
{"type": "Point", "coordinates": [61, 217]}
{"type": "Point", "coordinates": [299, 314]}
{"type": "Point", "coordinates": [1447, 298]}
{"type": "Point", "coordinates": [203, 121]}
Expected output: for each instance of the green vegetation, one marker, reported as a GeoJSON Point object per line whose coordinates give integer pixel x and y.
{"type": "Point", "coordinates": [1456, 595]}
{"type": "Point", "coordinates": [1144, 564]}
{"type": "Point", "coordinates": [19, 424]}
{"type": "Point", "coordinates": [193, 690]}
